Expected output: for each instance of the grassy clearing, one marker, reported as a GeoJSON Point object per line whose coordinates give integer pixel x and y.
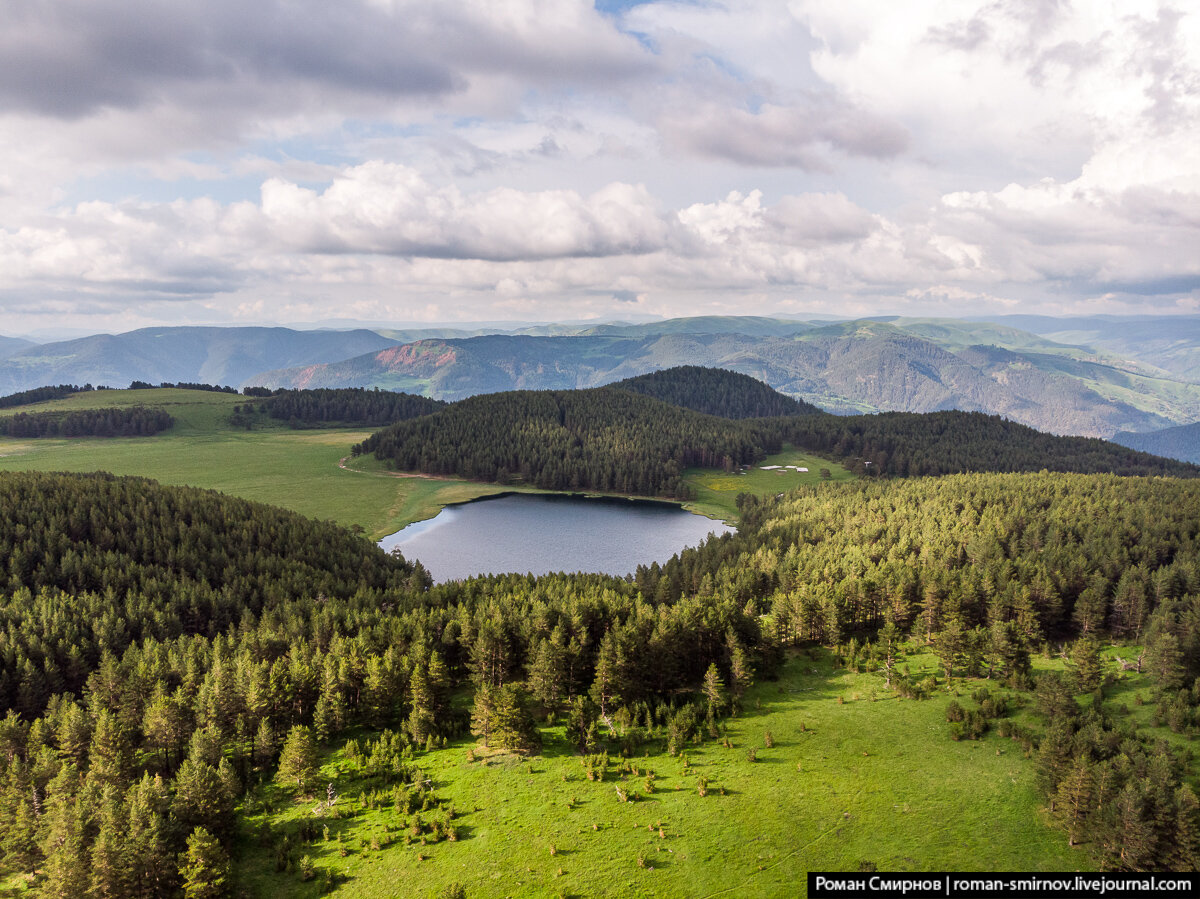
{"type": "Point", "coordinates": [868, 778]}
{"type": "Point", "coordinates": [299, 470]}
{"type": "Point", "coordinates": [716, 491]}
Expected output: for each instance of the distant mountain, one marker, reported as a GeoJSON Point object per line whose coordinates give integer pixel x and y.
{"type": "Point", "coordinates": [206, 355]}
{"type": "Point", "coordinates": [1181, 442]}
{"type": "Point", "coordinates": [715, 391]}
{"type": "Point", "coordinates": [10, 345]}
{"type": "Point", "coordinates": [845, 367]}
{"type": "Point", "coordinates": [1170, 343]}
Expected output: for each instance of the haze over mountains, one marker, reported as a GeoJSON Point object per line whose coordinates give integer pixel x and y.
{"type": "Point", "coordinates": [1093, 376]}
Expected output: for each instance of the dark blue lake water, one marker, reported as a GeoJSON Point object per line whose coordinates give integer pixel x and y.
{"type": "Point", "coordinates": [536, 533]}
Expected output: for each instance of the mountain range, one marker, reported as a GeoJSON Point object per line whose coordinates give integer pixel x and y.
{"type": "Point", "coordinates": [1089, 376]}
{"type": "Point", "coordinates": [193, 354]}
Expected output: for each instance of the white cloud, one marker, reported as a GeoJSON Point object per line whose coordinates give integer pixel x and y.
{"type": "Point", "coordinates": [414, 157]}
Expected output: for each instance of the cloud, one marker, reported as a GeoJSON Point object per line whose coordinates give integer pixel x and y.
{"type": "Point", "coordinates": [797, 136]}
{"type": "Point", "coordinates": [77, 58]}
{"type": "Point", "coordinates": [387, 209]}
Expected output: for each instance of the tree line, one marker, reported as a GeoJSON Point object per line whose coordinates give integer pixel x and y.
{"type": "Point", "coordinates": [182, 385]}
{"type": "Point", "coordinates": [113, 421]}
{"type": "Point", "coordinates": [41, 395]}
{"type": "Point", "coordinates": [351, 406]}
{"type": "Point", "coordinates": [911, 444]}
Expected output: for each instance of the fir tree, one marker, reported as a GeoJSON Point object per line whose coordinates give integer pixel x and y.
{"type": "Point", "coordinates": [205, 869]}
{"type": "Point", "coordinates": [298, 761]}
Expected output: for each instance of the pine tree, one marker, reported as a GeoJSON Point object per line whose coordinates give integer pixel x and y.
{"type": "Point", "coordinates": [63, 843]}
{"type": "Point", "coordinates": [152, 866]}
{"type": "Point", "coordinates": [1073, 801]}
{"type": "Point", "coordinates": [421, 720]}
{"type": "Point", "coordinates": [205, 869]}
{"type": "Point", "coordinates": [482, 712]}
{"type": "Point", "coordinates": [111, 755]}
{"type": "Point", "coordinates": [1086, 666]}
{"type": "Point", "coordinates": [714, 689]}
{"type": "Point", "coordinates": [298, 761]}
{"type": "Point", "coordinates": [110, 868]}
{"type": "Point", "coordinates": [264, 744]}
{"type": "Point", "coordinates": [513, 728]}
{"type": "Point", "coordinates": [1185, 841]}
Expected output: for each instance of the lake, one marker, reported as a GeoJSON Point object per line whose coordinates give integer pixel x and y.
{"type": "Point", "coordinates": [540, 533]}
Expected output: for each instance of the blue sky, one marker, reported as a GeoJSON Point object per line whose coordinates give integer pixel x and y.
{"type": "Point", "coordinates": [408, 161]}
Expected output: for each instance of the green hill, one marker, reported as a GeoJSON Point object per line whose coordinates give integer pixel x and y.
{"type": "Point", "coordinates": [716, 392]}
{"type": "Point", "coordinates": [601, 439]}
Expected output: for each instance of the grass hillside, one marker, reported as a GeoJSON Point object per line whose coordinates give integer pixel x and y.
{"type": "Point", "coordinates": [854, 775]}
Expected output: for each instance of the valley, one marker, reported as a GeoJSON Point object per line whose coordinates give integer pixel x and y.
{"type": "Point", "coordinates": [810, 692]}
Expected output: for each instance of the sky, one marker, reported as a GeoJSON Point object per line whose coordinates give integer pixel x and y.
{"type": "Point", "coordinates": [432, 161]}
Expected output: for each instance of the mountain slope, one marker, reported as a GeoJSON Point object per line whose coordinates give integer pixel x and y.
{"type": "Point", "coordinates": [849, 367]}
{"type": "Point", "coordinates": [199, 355]}
{"type": "Point", "coordinates": [1169, 343]}
{"type": "Point", "coordinates": [10, 345]}
{"type": "Point", "coordinates": [1181, 443]}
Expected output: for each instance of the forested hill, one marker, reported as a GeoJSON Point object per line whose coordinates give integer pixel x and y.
{"type": "Point", "coordinates": [715, 391]}
{"type": "Point", "coordinates": [934, 443]}
{"type": "Point", "coordinates": [605, 438]}
{"type": "Point", "coordinates": [142, 560]}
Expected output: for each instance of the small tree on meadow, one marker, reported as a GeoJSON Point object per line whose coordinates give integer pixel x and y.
{"type": "Point", "coordinates": [714, 689]}
{"type": "Point", "coordinates": [298, 762]}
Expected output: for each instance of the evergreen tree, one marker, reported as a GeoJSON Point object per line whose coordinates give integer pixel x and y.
{"type": "Point", "coordinates": [714, 690]}
{"type": "Point", "coordinates": [483, 710]}
{"type": "Point", "coordinates": [298, 761]}
{"type": "Point", "coordinates": [110, 868]}
{"type": "Point", "coordinates": [151, 859]}
{"type": "Point", "coordinates": [205, 869]}
{"type": "Point", "coordinates": [1086, 667]}
{"type": "Point", "coordinates": [202, 798]}
{"type": "Point", "coordinates": [64, 844]}
{"type": "Point", "coordinates": [1074, 799]}
{"type": "Point", "coordinates": [513, 728]}
{"type": "Point", "coordinates": [111, 755]}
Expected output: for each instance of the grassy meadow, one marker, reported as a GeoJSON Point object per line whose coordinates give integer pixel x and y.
{"type": "Point", "coordinates": [297, 470]}
{"type": "Point", "coordinates": [855, 775]}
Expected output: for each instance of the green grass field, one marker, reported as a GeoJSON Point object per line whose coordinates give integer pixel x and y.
{"type": "Point", "coordinates": [299, 470]}
{"type": "Point", "coordinates": [870, 778]}
{"type": "Point", "coordinates": [717, 490]}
